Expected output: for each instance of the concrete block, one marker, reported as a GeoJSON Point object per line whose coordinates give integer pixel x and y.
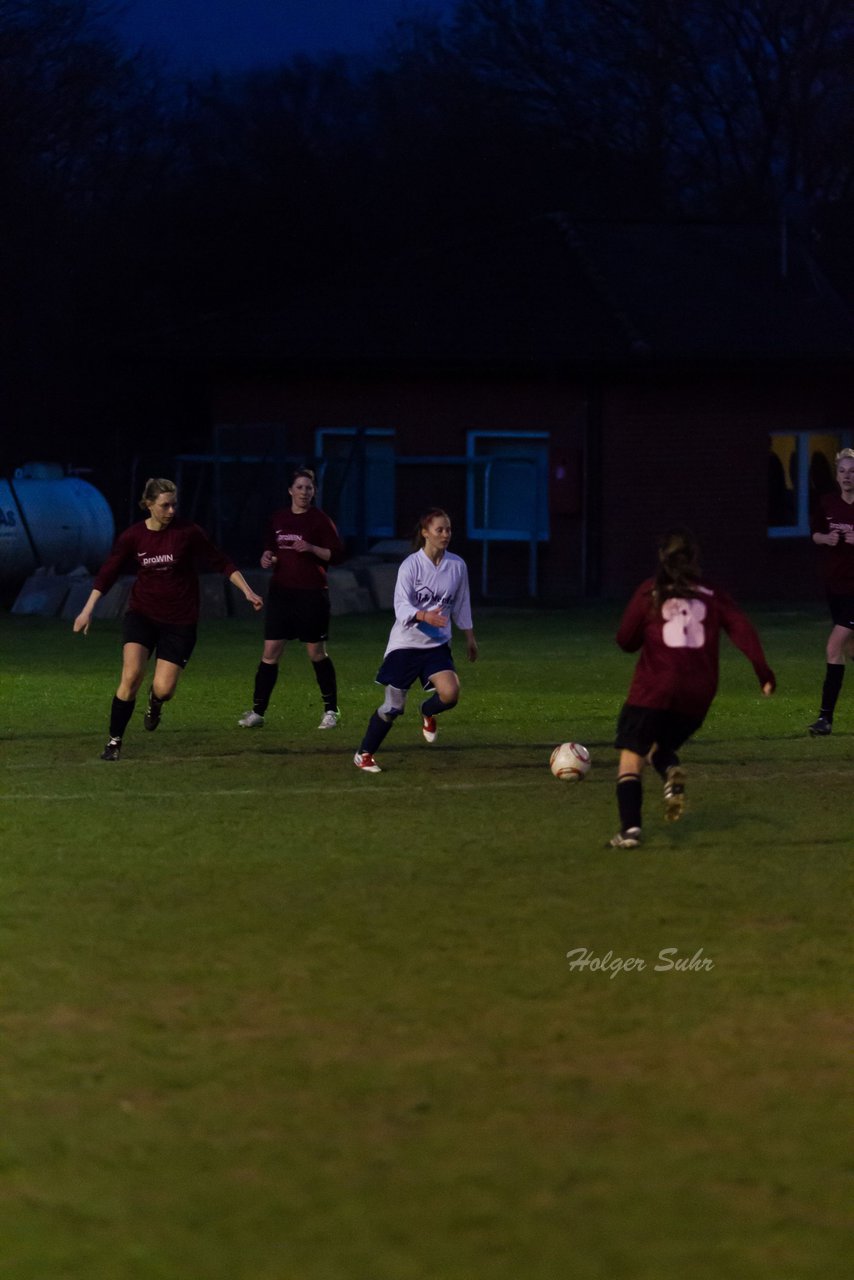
{"type": "Point", "coordinates": [392, 549]}
{"type": "Point", "coordinates": [346, 595]}
{"type": "Point", "coordinates": [43, 594]}
{"type": "Point", "coordinates": [238, 605]}
{"type": "Point", "coordinates": [78, 594]}
{"type": "Point", "coordinates": [212, 596]}
{"type": "Point", "coordinates": [114, 603]}
{"type": "Point", "coordinates": [381, 580]}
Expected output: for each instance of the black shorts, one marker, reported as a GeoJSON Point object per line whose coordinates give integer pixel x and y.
{"type": "Point", "coordinates": [640, 728]}
{"type": "Point", "coordinates": [841, 610]}
{"type": "Point", "coordinates": [174, 642]}
{"type": "Point", "coordinates": [297, 615]}
{"type": "Point", "coordinates": [402, 667]}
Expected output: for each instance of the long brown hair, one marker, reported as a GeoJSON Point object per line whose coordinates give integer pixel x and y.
{"type": "Point", "coordinates": [432, 514]}
{"type": "Point", "coordinates": [679, 570]}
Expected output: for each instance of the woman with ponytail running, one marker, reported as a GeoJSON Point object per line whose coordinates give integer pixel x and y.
{"type": "Point", "coordinates": [675, 620]}
{"type": "Point", "coordinates": [432, 590]}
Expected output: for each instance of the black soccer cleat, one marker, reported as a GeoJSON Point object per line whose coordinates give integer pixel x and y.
{"type": "Point", "coordinates": [822, 728]}
{"type": "Point", "coordinates": [113, 750]}
{"type": "Point", "coordinates": [151, 719]}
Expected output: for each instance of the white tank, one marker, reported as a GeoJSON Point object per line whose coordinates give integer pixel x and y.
{"type": "Point", "coordinates": [49, 520]}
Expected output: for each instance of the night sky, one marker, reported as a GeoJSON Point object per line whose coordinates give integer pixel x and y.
{"type": "Point", "coordinates": [235, 34]}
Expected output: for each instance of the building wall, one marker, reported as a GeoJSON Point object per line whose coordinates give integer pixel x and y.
{"type": "Point", "coordinates": [432, 416]}
{"type": "Point", "coordinates": [696, 453]}
{"type": "Point", "coordinates": [675, 448]}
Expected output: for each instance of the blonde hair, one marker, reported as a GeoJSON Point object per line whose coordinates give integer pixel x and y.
{"type": "Point", "coordinates": [153, 489]}
{"type": "Point", "coordinates": [844, 453]}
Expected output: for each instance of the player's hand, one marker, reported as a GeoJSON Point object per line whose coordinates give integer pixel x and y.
{"type": "Point", "coordinates": [849, 535]}
{"type": "Point", "coordinates": [471, 648]}
{"type": "Point", "coordinates": [256, 601]}
{"type": "Point", "coordinates": [300, 544]}
{"type": "Point", "coordinates": [267, 560]}
{"type": "Point", "coordinates": [434, 618]}
{"type": "Point", "coordinates": [81, 622]}
{"type": "Point", "coordinates": [768, 688]}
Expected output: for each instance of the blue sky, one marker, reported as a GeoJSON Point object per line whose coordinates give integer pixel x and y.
{"type": "Point", "coordinates": [236, 34]}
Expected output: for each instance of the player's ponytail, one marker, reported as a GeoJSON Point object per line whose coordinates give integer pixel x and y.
{"type": "Point", "coordinates": [678, 565]}
{"type": "Point", "coordinates": [423, 521]}
{"type": "Point", "coordinates": [153, 489]}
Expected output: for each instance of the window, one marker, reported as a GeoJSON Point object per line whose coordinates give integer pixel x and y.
{"type": "Point", "coordinates": [357, 472]}
{"type": "Point", "coordinates": [801, 467]}
{"type": "Point", "coordinates": [508, 488]}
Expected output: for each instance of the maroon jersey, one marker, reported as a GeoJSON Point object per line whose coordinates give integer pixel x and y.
{"type": "Point", "coordinates": [301, 569]}
{"type": "Point", "coordinates": [165, 562]}
{"type": "Point", "coordinates": [832, 513]}
{"type": "Point", "coordinates": [678, 666]}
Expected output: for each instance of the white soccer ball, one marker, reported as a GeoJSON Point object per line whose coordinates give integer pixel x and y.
{"type": "Point", "coordinates": [570, 762]}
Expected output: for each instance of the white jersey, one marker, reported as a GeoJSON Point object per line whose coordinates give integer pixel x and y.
{"type": "Point", "coordinates": [423, 586]}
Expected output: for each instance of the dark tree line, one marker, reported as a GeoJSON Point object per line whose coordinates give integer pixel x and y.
{"type": "Point", "coordinates": [132, 206]}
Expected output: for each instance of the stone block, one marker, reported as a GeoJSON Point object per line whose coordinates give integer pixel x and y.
{"type": "Point", "coordinates": [381, 580]}
{"type": "Point", "coordinates": [212, 596]}
{"type": "Point", "coordinates": [43, 595]}
{"type": "Point", "coordinates": [238, 605]}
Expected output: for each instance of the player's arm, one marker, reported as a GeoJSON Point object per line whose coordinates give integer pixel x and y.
{"type": "Point", "coordinates": [407, 609]}
{"type": "Point", "coordinates": [242, 585]}
{"type": "Point", "coordinates": [84, 617]}
{"type": "Point", "coordinates": [632, 624]}
{"type": "Point", "coordinates": [745, 637]}
{"type": "Point", "coordinates": [106, 577]}
{"type": "Point", "coordinates": [471, 644]}
{"type": "Point", "coordinates": [461, 614]}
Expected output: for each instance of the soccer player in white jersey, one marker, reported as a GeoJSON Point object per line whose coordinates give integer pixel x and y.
{"type": "Point", "coordinates": [432, 590]}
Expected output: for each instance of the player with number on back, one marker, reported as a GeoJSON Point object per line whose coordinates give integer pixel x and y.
{"type": "Point", "coordinates": [675, 620]}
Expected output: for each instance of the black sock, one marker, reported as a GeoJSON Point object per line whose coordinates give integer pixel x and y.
{"type": "Point", "coordinates": [375, 733]}
{"type": "Point", "coordinates": [324, 673]}
{"type": "Point", "coordinates": [265, 682]}
{"type": "Point", "coordinates": [629, 800]}
{"type": "Point", "coordinates": [662, 760]}
{"type": "Point", "coordinates": [831, 688]}
{"type": "Point", "coordinates": [434, 706]}
{"type": "Point", "coordinates": [120, 714]}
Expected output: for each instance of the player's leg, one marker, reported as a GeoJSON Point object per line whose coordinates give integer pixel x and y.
{"type": "Point", "coordinates": [839, 647]}
{"type": "Point", "coordinates": [134, 659]}
{"type": "Point", "coordinates": [379, 725]}
{"type": "Point", "coordinates": [629, 800]}
{"type": "Point", "coordinates": [446, 694]}
{"type": "Point", "coordinates": [672, 730]}
{"type": "Point", "coordinates": [324, 674]}
{"type": "Point", "coordinates": [265, 682]}
{"type": "Point", "coordinates": [174, 648]}
{"type": "Point", "coordinates": [635, 740]}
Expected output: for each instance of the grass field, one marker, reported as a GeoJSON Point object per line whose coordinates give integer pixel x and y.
{"type": "Point", "coordinates": [266, 1018]}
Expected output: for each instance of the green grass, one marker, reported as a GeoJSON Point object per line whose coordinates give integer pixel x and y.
{"type": "Point", "coordinates": [264, 1017]}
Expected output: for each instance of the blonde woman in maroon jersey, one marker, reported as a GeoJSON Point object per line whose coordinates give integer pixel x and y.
{"type": "Point", "coordinates": [675, 620]}
{"type": "Point", "coordinates": [163, 609]}
{"type": "Point", "coordinates": [833, 531]}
